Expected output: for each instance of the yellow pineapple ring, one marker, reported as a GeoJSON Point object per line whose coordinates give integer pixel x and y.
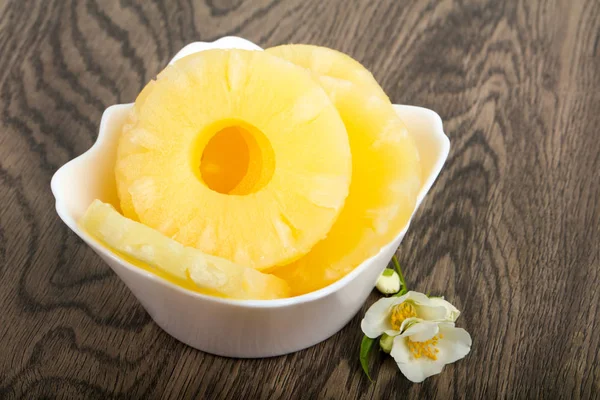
{"type": "Point", "coordinates": [237, 153]}
{"type": "Point", "coordinates": [386, 178]}
{"type": "Point", "coordinates": [148, 249]}
{"type": "Point", "coordinates": [332, 63]}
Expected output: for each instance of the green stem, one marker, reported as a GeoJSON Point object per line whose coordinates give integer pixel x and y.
{"type": "Point", "coordinates": [398, 269]}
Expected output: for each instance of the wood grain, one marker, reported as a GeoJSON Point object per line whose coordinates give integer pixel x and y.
{"type": "Point", "coordinates": [510, 232]}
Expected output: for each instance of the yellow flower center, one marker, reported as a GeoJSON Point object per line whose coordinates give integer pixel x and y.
{"type": "Point", "coordinates": [400, 312]}
{"type": "Point", "coordinates": [427, 348]}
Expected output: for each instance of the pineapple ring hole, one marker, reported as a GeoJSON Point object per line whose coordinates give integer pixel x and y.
{"type": "Point", "coordinates": [237, 158]}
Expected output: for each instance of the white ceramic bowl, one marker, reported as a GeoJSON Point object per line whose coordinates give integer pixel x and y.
{"type": "Point", "coordinates": [234, 328]}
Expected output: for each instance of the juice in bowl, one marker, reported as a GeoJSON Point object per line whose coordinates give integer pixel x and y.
{"type": "Point", "coordinates": [248, 297]}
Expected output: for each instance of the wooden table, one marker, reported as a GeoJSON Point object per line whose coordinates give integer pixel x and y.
{"type": "Point", "coordinates": [509, 233]}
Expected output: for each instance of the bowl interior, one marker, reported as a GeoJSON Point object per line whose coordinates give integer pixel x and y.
{"type": "Point", "coordinates": [91, 175]}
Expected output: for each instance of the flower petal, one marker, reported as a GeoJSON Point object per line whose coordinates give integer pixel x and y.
{"type": "Point", "coordinates": [431, 309]}
{"type": "Point", "coordinates": [421, 331]}
{"type": "Point", "coordinates": [456, 343]}
{"type": "Point", "coordinates": [451, 312]}
{"type": "Point", "coordinates": [400, 350]}
{"type": "Point", "coordinates": [377, 318]}
{"type": "Point", "coordinates": [409, 322]}
{"type": "Point", "coordinates": [419, 371]}
{"type": "Point", "coordinates": [417, 297]}
{"type": "Point", "coordinates": [392, 332]}
{"type": "Point", "coordinates": [431, 313]}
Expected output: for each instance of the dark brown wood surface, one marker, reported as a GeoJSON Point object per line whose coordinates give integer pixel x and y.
{"type": "Point", "coordinates": [509, 233]}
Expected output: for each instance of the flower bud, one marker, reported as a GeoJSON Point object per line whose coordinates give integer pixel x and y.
{"type": "Point", "coordinates": [385, 342]}
{"type": "Point", "coordinates": [388, 282]}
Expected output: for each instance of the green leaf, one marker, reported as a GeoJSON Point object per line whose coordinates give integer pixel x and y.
{"type": "Point", "coordinates": [366, 348]}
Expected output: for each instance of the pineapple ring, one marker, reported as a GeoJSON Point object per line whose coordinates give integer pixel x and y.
{"type": "Point", "coordinates": [237, 153]}
{"type": "Point", "coordinates": [386, 179]}
{"type": "Point", "coordinates": [330, 63]}
{"type": "Point", "coordinates": [150, 250]}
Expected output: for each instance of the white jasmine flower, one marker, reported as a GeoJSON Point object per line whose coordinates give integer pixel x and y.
{"type": "Point", "coordinates": [389, 315]}
{"type": "Point", "coordinates": [425, 347]}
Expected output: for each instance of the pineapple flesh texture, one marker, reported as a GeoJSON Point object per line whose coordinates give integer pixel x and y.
{"type": "Point", "coordinates": [385, 182]}
{"type": "Point", "coordinates": [188, 267]}
{"type": "Point", "coordinates": [237, 153]}
{"type": "Point", "coordinates": [330, 63]}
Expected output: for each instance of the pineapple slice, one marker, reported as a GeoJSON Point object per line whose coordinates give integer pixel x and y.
{"type": "Point", "coordinates": [237, 153]}
{"type": "Point", "coordinates": [386, 178]}
{"type": "Point", "coordinates": [188, 267]}
{"type": "Point", "coordinates": [332, 63]}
